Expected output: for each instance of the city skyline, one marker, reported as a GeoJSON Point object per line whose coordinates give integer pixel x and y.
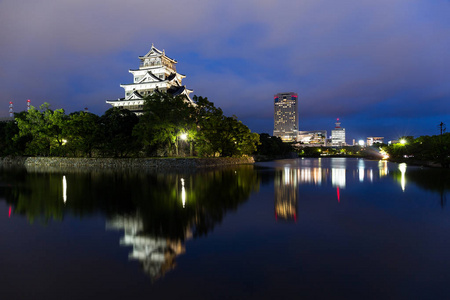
{"type": "Point", "coordinates": [382, 68]}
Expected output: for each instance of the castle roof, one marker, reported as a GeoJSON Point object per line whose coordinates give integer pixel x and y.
{"type": "Point", "coordinates": [156, 52]}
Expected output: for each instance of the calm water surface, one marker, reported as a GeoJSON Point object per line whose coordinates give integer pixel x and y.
{"type": "Point", "coordinates": [300, 229]}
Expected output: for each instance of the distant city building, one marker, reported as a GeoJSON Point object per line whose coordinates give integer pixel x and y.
{"type": "Point", "coordinates": [374, 140]}
{"type": "Point", "coordinates": [338, 135]}
{"type": "Point", "coordinates": [285, 116]}
{"type": "Point", "coordinates": [156, 72]}
{"type": "Point", "coordinates": [312, 138]}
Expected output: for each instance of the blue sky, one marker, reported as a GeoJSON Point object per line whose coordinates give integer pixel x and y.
{"type": "Point", "coordinates": [382, 67]}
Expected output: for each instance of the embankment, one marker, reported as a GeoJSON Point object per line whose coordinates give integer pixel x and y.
{"type": "Point", "coordinates": [133, 163]}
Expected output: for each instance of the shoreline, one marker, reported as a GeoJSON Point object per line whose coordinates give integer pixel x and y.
{"type": "Point", "coordinates": [125, 163]}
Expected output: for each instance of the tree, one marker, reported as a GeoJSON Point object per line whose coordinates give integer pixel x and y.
{"type": "Point", "coordinates": [273, 146]}
{"type": "Point", "coordinates": [82, 133]}
{"type": "Point", "coordinates": [164, 119]}
{"type": "Point", "coordinates": [115, 136]}
{"type": "Point", "coordinates": [218, 134]}
{"type": "Point", "coordinates": [44, 129]}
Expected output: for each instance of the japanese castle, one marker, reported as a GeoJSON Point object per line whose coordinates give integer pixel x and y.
{"type": "Point", "coordinates": [156, 72]}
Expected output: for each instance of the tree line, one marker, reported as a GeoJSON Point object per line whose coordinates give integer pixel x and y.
{"type": "Point", "coordinates": [168, 126]}
{"type": "Point", "coordinates": [426, 148]}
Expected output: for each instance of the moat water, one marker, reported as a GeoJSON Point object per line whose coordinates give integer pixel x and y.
{"type": "Point", "coordinates": [330, 228]}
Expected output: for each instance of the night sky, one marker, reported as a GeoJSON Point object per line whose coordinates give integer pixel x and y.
{"type": "Point", "coordinates": [382, 67]}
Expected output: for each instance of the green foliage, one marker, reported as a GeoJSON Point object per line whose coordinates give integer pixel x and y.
{"type": "Point", "coordinates": [169, 126]}
{"type": "Point", "coordinates": [273, 146]}
{"type": "Point", "coordinates": [82, 133]}
{"type": "Point", "coordinates": [165, 118]}
{"type": "Point", "coordinates": [42, 129]}
{"type": "Point", "coordinates": [434, 148]}
{"type": "Point", "coordinates": [9, 146]}
{"type": "Point", "coordinates": [115, 136]}
{"type": "Point", "coordinates": [221, 135]}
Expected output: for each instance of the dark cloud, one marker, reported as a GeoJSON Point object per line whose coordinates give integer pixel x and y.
{"type": "Point", "coordinates": [370, 63]}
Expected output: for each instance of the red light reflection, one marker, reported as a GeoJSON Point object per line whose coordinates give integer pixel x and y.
{"type": "Point", "coordinates": [338, 195]}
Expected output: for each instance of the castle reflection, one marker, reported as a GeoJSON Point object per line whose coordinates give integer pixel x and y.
{"type": "Point", "coordinates": [156, 254]}
{"type": "Point", "coordinates": [157, 212]}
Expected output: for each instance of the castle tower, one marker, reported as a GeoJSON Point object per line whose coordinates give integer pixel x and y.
{"type": "Point", "coordinates": [156, 71]}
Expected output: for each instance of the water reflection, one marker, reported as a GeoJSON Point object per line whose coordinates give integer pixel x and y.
{"type": "Point", "coordinates": [156, 254]}
{"type": "Point", "coordinates": [158, 212]}
{"type": "Point", "coordinates": [336, 171]}
{"type": "Point", "coordinates": [434, 180]}
{"type": "Point", "coordinates": [402, 168]}
{"type": "Point", "coordinates": [286, 194]}
{"type": "Point", "coordinates": [64, 182]}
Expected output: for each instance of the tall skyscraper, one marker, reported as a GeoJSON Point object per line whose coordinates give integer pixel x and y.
{"type": "Point", "coordinates": [285, 116]}
{"type": "Point", "coordinates": [338, 135]}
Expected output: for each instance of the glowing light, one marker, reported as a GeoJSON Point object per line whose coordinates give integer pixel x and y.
{"type": "Point", "coordinates": [183, 136]}
{"type": "Point", "coordinates": [361, 143]}
{"type": "Point", "coordinates": [402, 141]}
{"type": "Point", "coordinates": [183, 193]}
{"type": "Point", "coordinates": [64, 182]}
{"type": "Point", "coordinates": [402, 168]}
{"type": "Point", "coordinates": [9, 214]}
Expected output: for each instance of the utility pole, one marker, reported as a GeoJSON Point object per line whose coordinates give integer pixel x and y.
{"type": "Point", "coordinates": [442, 127]}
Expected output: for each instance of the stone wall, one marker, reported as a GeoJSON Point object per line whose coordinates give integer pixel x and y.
{"type": "Point", "coordinates": [143, 163]}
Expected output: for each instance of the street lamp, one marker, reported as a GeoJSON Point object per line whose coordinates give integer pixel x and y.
{"type": "Point", "coordinates": [183, 137]}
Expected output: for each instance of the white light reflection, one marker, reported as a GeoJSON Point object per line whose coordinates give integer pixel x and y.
{"type": "Point", "coordinates": [311, 175]}
{"type": "Point", "coordinates": [183, 193]}
{"type": "Point", "coordinates": [361, 170]}
{"type": "Point", "coordinates": [64, 182]}
{"type": "Point", "coordinates": [338, 177]}
{"type": "Point", "coordinates": [338, 172]}
{"type": "Point", "coordinates": [402, 168]}
{"type": "Point", "coordinates": [370, 175]}
{"type": "Point", "coordinates": [287, 175]}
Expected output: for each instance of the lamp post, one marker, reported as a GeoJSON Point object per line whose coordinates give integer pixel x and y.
{"type": "Point", "coordinates": [183, 136]}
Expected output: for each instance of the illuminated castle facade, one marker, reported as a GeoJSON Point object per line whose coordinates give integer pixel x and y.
{"type": "Point", "coordinates": [156, 71]}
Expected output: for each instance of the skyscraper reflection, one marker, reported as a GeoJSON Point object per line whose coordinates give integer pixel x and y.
{"type": "Point", "coordinates": [285, 187]}
{"type": "Point", "coordinates": [338, 172]}
{"type": "Point", "coordinates": [383, 168]}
